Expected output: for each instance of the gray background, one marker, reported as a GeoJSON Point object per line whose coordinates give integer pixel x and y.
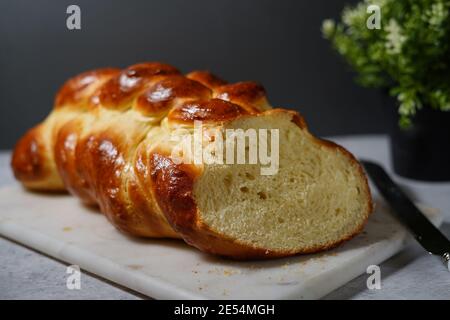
{"type": "Point", "coordinates": [277, 43]}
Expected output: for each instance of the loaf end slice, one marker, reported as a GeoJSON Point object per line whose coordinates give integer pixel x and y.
{"type": "Point", "coordinates": [318, 198]}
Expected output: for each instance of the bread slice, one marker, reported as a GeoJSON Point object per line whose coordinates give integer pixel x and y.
{"type": "Point", "coordinates": [318, 198]}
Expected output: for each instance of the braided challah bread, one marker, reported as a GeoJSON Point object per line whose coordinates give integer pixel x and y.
{"type": "Point", "coordinates": [109, 141]}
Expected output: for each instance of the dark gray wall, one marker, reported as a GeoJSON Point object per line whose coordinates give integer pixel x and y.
{"type": "Point", "coordinates": [278, 43]}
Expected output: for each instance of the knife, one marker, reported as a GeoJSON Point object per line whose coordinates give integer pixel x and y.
{"type": "Point", "coordinates": [422, 229]}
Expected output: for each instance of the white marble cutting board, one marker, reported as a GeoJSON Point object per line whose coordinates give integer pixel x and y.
{"type": "Point", "coordinates": [61, 227]}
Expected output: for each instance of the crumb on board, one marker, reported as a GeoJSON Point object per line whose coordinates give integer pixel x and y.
{"type": "Point", "coordinates": [333, 254]}
{"type": "Point", "coordinates": [225, 272]}
{"type": "Point", "coordinates": [230, 272]}
{"type": "Point", "coordinates": [135, 266]}
{"type": "Point", "coordinates": [67, 229]}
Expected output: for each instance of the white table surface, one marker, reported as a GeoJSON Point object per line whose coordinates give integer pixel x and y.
{"type": "Point", "coordinates": [412, 274]}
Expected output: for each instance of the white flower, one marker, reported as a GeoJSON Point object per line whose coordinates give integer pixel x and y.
{"type": "Point", "coordinates": [379, 3]}
{"type": "Point", "coordinates": [352, 16]}
{"type": "Point", "coordinates": [328, 26]}
{"type": "Point", "coordinates": [436, 14]}
{"type": "Point", "coordinates": [394, 37]}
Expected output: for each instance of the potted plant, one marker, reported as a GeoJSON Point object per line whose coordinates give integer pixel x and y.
{"type": "Point", "coordinates": [407, 56]}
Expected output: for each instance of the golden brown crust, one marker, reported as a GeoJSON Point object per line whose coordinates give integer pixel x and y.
{"type": "Point", "coordinates": [66, 159]}
{"type": "Point", "coordinates": [113, 160]}
{"type": "Point", "coordinates": [143, 178]}
{"type": "Point", "coordinates": [172, 185]}
{"type": "Point", "coordinates": [120, 89]}
{"type": "Point", "coordinates": [75, 89]}
{"type": "Point", "coordinates": [247, 94]}
{"type": "Point", "coordinates": [28, 160]}
{"type": "Point", "coordinates": [215, 110]}
{"type": "Point", "coordinates": [206, 78]}
{"type": "Point", "coordinates": [161, 96]}
{"type": "Point", "coordinates": [32, 163]}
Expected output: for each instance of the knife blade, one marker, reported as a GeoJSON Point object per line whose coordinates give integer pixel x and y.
{"type": "Point", "coordinates": [404, 209]}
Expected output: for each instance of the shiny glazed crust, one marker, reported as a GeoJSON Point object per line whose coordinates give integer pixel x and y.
{"type": "Point", "coordinates": [106, 143]}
